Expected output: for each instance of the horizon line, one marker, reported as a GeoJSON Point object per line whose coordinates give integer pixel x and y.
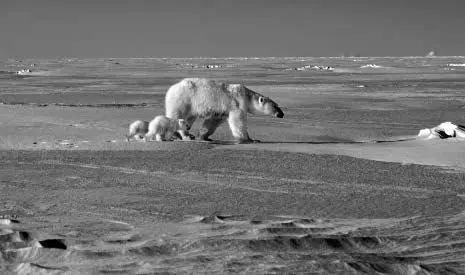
{"type": "Point", "coordinates": [241, 57]}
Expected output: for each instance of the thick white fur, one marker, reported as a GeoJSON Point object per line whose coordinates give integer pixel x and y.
{"type": "Point", "coordinates": [193, 98]}
{"type": "Point", "coordinates": [137, 129]}
{"type": "Point", "coordinates": [163, 128]}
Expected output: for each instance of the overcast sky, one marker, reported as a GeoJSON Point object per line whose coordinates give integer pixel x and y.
{"type": "Point", "coordinates": [189, 28]}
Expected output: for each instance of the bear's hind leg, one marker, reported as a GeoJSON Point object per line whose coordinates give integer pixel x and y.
{"type": "Point", "coordinates": [210, 124]}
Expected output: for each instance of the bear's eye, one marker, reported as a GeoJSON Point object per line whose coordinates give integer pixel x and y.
{"type": "Point", "coordinates": [261, 100]}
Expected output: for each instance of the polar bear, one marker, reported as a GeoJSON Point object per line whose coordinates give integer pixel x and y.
{"type": "Point", "coordinates": [137, 129]}
{"type": "Point", "coordinates": [164, 128]}
{"type": "Point", "coordinates": [214, 101]}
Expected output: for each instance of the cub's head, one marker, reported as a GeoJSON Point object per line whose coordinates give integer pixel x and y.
{"type": "Point", "coordinates": [183, 125]}
{"type": "Point", "coordinates": [266, 106]}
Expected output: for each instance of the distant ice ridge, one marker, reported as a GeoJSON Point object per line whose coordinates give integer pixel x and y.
{"type": "Point", "coordinates": [370, 66]}
{"type": "Point", "coordinates": [315, 68]}
{"type": "Point", "coordinates": [208, 66]}
{"type": "Point", "coordinates": [431, 54]}
{"type": "Point", "coordinates": [24, 72]}
{"type": "Point", "coordinates": [442, 131]}
{"type": "Point", "coordinates": [456, 65]}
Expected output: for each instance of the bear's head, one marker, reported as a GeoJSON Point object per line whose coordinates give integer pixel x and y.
{"type": "Point", "coordinates": [267, 106]}
{"type": "Point", "coordinates": [183, 125]}
{"type": "Point", "coordinates": [257, 102]}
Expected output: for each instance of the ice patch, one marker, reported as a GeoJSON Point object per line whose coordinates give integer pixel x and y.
{"type": "Point", "coordinates": [315, 68]}
{"type": "Point", "coordinates": [456, 65]}
{"type": "Point", "coordinates": [67, 144]}
{"type": "Point", "coordinates": [24, 72]}
{"type": "Point", "coordinates": [431, 54]}
{"type": "Point", "coordinates": [206, 66]}
{"type": "Point", "coordinates": [443, 131]}
{"type": "Point", "coordinates": [7, 221]}
{"type": "Point", "coordinates": [370, 66]}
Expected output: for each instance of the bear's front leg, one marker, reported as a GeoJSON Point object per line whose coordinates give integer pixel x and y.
{"type": "Point", "coordinates": [238, 123]}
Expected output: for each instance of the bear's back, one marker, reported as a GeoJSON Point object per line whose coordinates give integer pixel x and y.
{"type": "Point", "coordinates": [208, 95]}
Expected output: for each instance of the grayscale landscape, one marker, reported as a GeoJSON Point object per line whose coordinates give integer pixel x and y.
{"type": "Point", "coordinates": [342, 184]}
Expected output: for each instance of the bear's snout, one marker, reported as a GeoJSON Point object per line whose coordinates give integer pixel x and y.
{"type": "Point", "coordinates": [279, 114]}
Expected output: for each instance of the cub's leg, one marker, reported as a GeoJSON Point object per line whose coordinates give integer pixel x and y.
{"type": "Point", "coordinates": [177, 135]}
{"type": "Point", "coordinates": [158, 137]}
{"type": "Point", "coordinates": [149, 135]}
{"type": "Point", "coordinates": [185, 135]}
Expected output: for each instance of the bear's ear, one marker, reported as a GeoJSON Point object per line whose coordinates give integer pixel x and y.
{"type": "Point", "coordinates": [261, 100]}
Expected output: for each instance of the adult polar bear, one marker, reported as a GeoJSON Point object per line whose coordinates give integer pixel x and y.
{"type": "Point", "coordinates": [214, 101]}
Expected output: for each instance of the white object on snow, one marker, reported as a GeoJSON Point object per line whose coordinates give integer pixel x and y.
{"type": "Point", "coordinates": [443, 130]}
